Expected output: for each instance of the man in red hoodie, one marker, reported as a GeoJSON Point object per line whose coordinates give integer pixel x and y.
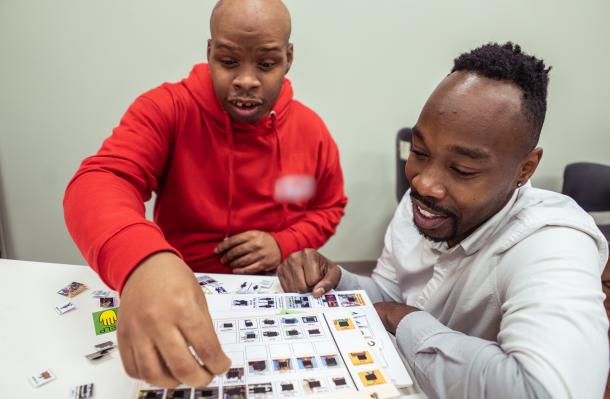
{"type": "Point", "coordinates": [244, 176]}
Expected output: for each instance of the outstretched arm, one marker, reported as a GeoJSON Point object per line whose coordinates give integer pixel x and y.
{"type": "Point", "coordinates": [104, 201]}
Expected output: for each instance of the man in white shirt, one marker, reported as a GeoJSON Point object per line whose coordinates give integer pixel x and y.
{"type": "Point", "coordinates": [492, 287]}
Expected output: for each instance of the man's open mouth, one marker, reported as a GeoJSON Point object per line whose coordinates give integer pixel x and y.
{"type": "Point", "coordinates": [245, 109]}
{"type": "Point", "coordinates": [428, 214]}
{"type": "Point", "coordinates": [426, 218]}
{"type": "Point", "coordinates": [245, 104]}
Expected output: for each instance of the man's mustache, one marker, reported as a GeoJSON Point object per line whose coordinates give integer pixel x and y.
{"type": "Point", "coordinates": [432, 204]}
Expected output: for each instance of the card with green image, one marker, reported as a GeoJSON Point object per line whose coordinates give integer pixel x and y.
{"type": "Point", "coordinates": [105, 321]}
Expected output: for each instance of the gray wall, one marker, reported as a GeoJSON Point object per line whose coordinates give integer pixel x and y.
{"type": "Point", "coordinates": [69, 69]}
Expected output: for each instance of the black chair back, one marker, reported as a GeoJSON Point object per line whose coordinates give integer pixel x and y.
{"type": "Point", "coordinates": [403, 147]}
{"type": "Point", "coordinates": [589, 185]}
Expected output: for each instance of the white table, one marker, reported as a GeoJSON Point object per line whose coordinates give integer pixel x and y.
{"type": "Point", "coordinates": [34, 337]}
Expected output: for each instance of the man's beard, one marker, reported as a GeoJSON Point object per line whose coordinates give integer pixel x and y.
{"type": "Point", "coordinates": [430, 203]}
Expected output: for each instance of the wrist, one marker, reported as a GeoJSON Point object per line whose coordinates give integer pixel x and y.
{"type": "Point", "coordinates": [339, 271]}
{"type": "Point", "coordinates": [401, 314]}
{"type": "Point", "coordinates": [150, 263]}
{"type": "Point", "coordinates": [347, 281]}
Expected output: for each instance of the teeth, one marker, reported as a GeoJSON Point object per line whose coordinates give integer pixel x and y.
{"type": "Point", "coordinates": [426, 213]}
{"type": "Point", "coordinates": [244, 105]}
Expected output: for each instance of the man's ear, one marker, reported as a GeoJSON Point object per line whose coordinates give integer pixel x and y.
{"type": "Point", "coordinates": [209, 51]}
{"type": "Point", "coordinates": [289, 56]}
{"type": "Point", "coordinates": [529, 165]}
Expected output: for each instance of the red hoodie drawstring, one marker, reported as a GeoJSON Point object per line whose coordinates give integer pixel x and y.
{"type": "Point", "coordinates": [229, 132]}
{"type": "Point", "coordinates": [231, 160]}
{"type": "Point", "coordinates": [278, 147]}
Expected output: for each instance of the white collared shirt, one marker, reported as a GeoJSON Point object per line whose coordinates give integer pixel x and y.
{"type": "Point", "coordinates": [514, 310]}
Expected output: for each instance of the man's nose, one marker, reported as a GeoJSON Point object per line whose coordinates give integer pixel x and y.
{"type": "Point", "coordinates": [429, 183]}
{"type": "Point", "coordinates": [246, 80]}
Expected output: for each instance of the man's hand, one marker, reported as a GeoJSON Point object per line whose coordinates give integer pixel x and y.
{"type": "Point", "coordinates": [163, 311]}
{"type": "Point", "coordinates": [306, 271]}
{"type": "Point", "coordinates": [391, 313]}
{"type": "Point", "coordinates": [250, 252]}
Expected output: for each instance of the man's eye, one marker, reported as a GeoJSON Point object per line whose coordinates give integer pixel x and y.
{"type": "Point", "coordinates": [266, 65]}
{"type": "Point", "coordinates": [418, 154]}
{"type": "Point", "coordinates": [228, 62]}
{"type": "Point", "coordinates": [463, 173]}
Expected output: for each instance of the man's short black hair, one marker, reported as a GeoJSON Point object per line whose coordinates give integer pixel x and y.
{"type": "Point", "coordinates": [508, 62]}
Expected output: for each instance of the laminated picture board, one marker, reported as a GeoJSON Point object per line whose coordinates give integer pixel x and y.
{"type": "Point", "coordinates": [295, 345]}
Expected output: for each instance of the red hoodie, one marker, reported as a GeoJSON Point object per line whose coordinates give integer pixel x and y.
{"type": "Point", "coordinates": [213, 177]}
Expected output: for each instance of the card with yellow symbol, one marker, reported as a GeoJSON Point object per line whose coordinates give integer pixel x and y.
{"type": "Point", "coordinates": [372, 377]}
{"type": "Point", "coordinates": [359, 358]}
{"type": "Point", "coordinates": [105, 321]}
{"type": "Point", "coordinates": [343, 324]}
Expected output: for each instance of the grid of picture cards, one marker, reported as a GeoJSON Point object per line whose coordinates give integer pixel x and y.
{"type": "Point", "coordinates": [286, 345]}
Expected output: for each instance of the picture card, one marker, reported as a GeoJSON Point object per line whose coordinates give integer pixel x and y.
{"type": "Point", "coordinates": [41, 378]}
{"type": "Point", "coordinates": [298, 301]}
{"type": "Point", "coordinates": [66, 307]}
{"type": "Point", "coordinates": [73, 289]}
{"type": "Point", "coordinates": [351, 299]}
{"type": "Point", "coordinates": [206, 393]}
{"type": "Point", "coordinates": [108, 302]}
{"type": "Point", "coordinates": [235, 375]}
{"type": "Point", "coordinates": [287, 389]}
{"type": "Point", "coordinates": [372, 377]}
{"type": "Point", "coordinates": [98, 354]}
{"type": "Point", "coordinates": [104, 345]}
{"type": "Point", "coordinates": [360, 358]}
{"type": "Point", "coordinates": [150, 393]}
{"type": "Point", "coordinates": [101, 293]}
{"type": "Point", "coordinates": [235, 392]}
{"type": "Point", "coordinates": [266, 302]}
{"type": "Point", "coordinates": [282, 365]}
{"type": "Point", "coordinates": [243, 302]}
{"type": "Point", "coordinates": [258, 367]}
{"type": "Point", "coordinates": [178, 393]}
{"type": "Point", "coordinates": [266, 284]}
{"type": "Point", "coordinates": [82, 391]}
{"type": "Point", "coordinates": [260, 391]}
{"type": "Point", "coordinates": [105, 321]}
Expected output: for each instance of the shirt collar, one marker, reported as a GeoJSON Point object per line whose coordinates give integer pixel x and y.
{"type": "Point", "coordinates": [481, 235]}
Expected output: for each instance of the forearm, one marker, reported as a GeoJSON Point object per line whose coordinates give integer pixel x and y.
{"type": "Point", "coordinates": [447, 363]}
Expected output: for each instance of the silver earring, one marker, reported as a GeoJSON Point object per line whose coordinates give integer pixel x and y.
{"type": "Point", "coordinates": [519, 184]}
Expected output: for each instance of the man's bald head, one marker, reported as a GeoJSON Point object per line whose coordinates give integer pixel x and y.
{"type": "Point", "coordinates": [249, 54]}
{"type": "Point", "coordinates": [250, 15]}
